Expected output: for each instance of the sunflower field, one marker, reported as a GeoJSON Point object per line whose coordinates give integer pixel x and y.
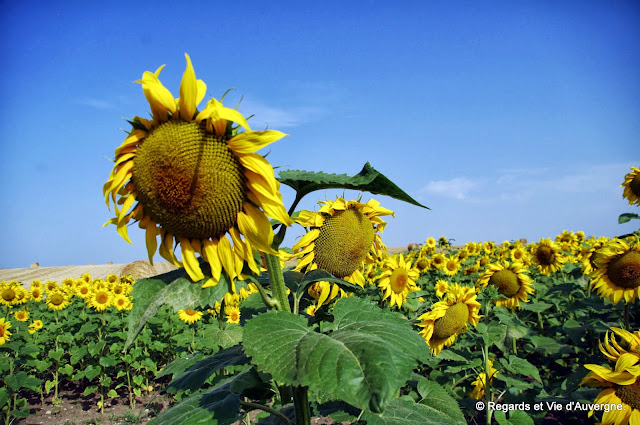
{"type": "Point", "coordinates": [335, 326]}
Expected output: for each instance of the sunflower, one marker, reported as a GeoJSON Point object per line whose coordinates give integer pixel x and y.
{"type": "Point", "coordinates": [520, 254]}
{"type": "Point", "coordinates": [323, 292]}
{"type": "Point", "coordinates": [191, 178]}
{"type": "Point", "coordinates": [422, 264]}
{"type": "Point", "coordinates": [122, 302]}
{"type": "Point", "coordinates": [546, 256]}
{"type": "Point", "coordinates": [86, 277]}
{"type": "Point", "coordinates": [631, 186]}
{"type": "Point", "coordinates": [57, 299]}
{"type": "Point", "coordinates": [441, 287]}
{"type": "Point", "coordinates": [36, 293]}
{"type": "Point", "coordinates": [100, 299]}
{"type": "Point", "coordinates": [431, 244]}
{"type": "Point", "coordinates": [613, 350]}
{"type": "Point", "coordinates": [443, 242]}
{"type": "Point", "coordinates": [438, 260]}
{"type": "Point", "coordinates": [233, 314]}
{"type": "Point", "coordinates": [341, 236]}
{"type": "Point", "coordinates": [21, 315]}
{"type": "Point", "coordinates": [215, 311]}
{"type": "Point", "coordinates": [35, 326]}
{"type": "Point", "coordinates": [449, 317]}
{"type": "Point", "coordinates": [617, 273]}
{"type": "Point", "coordinates": [51, 285]}
{"type": "Point", "coordinates": [480, 384]}
{"type": "Point", "coordinates": [4, 331]}
{"type": "Point", "coordinates": [622, 386]}
{"type": "Point", "coordinates": [83, 290]}
{"type": "Point", "coordinates": [189, 316]}
{"type": "Point", "coordinates": [397, 280]}
{"type": "Point", "coordinates": [8, 292]}
{"type": "Point", "coordinates": [68, 284]}
{"type": "Point", "coordinates": [451, 265]}
{"type": "Point", "coordinates": [511, 281]}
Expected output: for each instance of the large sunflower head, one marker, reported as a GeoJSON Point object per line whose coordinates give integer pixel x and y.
{"type": "Point", "coordinates": [631, 186]}
{"type": "Point", "coordinates": [192, 178]}
{"type": "Point", "coordinates": [617, 273]}
{"type": "Point", "coordinates": [343, 234]}
{"type": "Point", "coordinates": [450, 317]}
{"type": "Point", "coordinates": [397, 280]}
{"type": "Point", "coordinates": [511, 281]}
{"type": "Point", "coordinates": [622, 386]}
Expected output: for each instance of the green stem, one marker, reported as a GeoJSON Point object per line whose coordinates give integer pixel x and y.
{"type": "Point", "coordinates": [487, 383]}
{"type": "Point", "coordinates": [266, 299]}
{"type": "Point", "coordinates": [301, 403]}
{"type": "Point", "coordinates": [267, 409]}
{"type": "Point", "coordinates": [278, 288]}
{"type": "Point", "coordinates": [626, 317]}
{"type": "Point", "coordinates": [515, 348]}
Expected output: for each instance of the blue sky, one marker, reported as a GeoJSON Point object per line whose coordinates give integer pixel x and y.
{"type": "Point", "coordinates": [508, 119]}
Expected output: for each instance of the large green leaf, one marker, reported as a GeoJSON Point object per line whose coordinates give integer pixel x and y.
{"type": "Point", "coordinates": [196, 375]}
{"type": "Point", "coordinates": [174, 289]}
{"type": "Point", "coordinates": [364, 362]}
{"type": "Point", "coordinates": [404, 411]}
{"type": "Point", "coordinates": [368, 180]}
{"type": "Point", "coordinates": [516, 417]}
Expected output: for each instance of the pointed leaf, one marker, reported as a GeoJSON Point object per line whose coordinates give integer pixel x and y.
{"type": "Point", "coordinates": [368, 180]}
{"type": "Point", "coordinates": [404, 411]}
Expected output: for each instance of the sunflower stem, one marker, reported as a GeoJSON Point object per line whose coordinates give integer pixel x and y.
{"type": "Point", "coordinates": [301, 403]}
{"type": "Point", "coordinates": [626, 317]}
{"type": "Point", "coordinates": [278, 288]}
{"type": "Point", "coordinates": [267, 409]}
{"type": "Point", "coordinates": [266, 299]}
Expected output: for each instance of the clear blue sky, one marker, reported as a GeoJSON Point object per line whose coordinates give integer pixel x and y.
{"type": "Point", "coordinates": [508, 119]}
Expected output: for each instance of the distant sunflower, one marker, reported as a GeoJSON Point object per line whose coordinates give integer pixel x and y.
{"type": "Point", "coordinates": [36, 293]}
{"type": "Point", "coordinates": [480, 384]}
{"type": "Point", "coordinates": [122, 302]}
{"type": "Point", "coordinates": [83, 290]}
{"type": "Point", "coordinates": [233, 314]}
{"type": "Point", "coordinates": [189, 316]}
{"type": "Point", "coordinates": [342, 235]}
{"type": "Point", "coordinates": [35, 326]}
{"type": "Point", "coordinates": [191, 178]}
{"type": "Point", "coordinates": [511, 281]}
{"type": "Point", "coordinates": [21, 315]}
{"type": "Point", "coordinates": [422, 264]}
{"type": "Point", "coordinates": [520, 254]}
{"type": "Point", "coordinates": [4, 331]}
{"type": "Point", "coordinates": [438, 260]}
{"type": "Point", "coordinates": [100, 299]}
{"type": "Point", "coordinates": [51, 285]}
{"type": "Point", "coordinates": [617, 273]}
{"type": "Point", "coordinates": [57, 299]}
{"type": "Point", "coordinates": [449, 318]}
{"type": "Point", "coordinates": [431, 243]}
{"type": "Point", "coordinates": [397, 280]}
{"type": "Point", "coordinates": [451, 265]}
{"type": "Point", "coordinates": [547, 257]}
{"type": "Point", "coordinates": [441, 287]}
{"type": "Point", "coordinates": [8, 292]}
{"type": "Point", "coordinates": [68, 284]}
{"type": "Point", "coordinates": [622, 386]}
{"type": "Point", "coordinates": [631, 186]}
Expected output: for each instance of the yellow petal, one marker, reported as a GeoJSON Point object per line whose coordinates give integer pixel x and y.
{"type": "Point", "coordinates": [188, 92]}
{"type": "Point", "coordinates": [190, 261]}
{"type": "Point", "coordinates": [271, 206]}
{"type": "Point", "coordinates": [256, 228]}
{"type": "Point", "coordinates": [210, 252]}
{"type": "Point", "coordinates": [252, 141]}
{"type": "Point", "coordinates": [309, 237]}
{"type": "Point", "coordinates": [151, 236]}
{"type": "Point", "coordinates": [160, 99]}
{"type": "Point", "coordinates": [132, 140]}
{"type": "Point", "coordinates": [261, 168]}
{"type": "Point", "coordinates": [226, 257]}
{"type": "Point", "coordinates": [216, 111]}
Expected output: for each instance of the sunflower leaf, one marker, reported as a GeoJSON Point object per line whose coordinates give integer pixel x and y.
{"type": "Point", "coordinates": [516, 417]}
{"type": "Point", "coordinates": [627, 217]}
{"type": "Point", "coordinates": [367, 180]}
{"type": "Point", "coordinates": [404, 411]}
{"type": "Point", "coordinates": [364, 361]}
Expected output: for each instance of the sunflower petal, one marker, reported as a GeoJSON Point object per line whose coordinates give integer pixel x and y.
{"type": "Point", "coordinates": [210, 252]}
{"type": "Point", "coordinates": [272, 207]}
{"type": "Point", "coordinates": [309, 237]}
{"type": "Point", "coordinates": [160, 99]}
{"type": "Point", "coordinates": [251, 141]}
{"type": "Point", "coordinates": [188, 92]}
{"type": "Point", "coordinates": [256, 228]}
{"type": "Point", "coordinates": [190, 261]}
{"type": "Point", "coordinates": [226, 258]}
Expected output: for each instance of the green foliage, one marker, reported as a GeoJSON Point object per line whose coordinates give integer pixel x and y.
{"type": "Point", "coordinates": [367, 180]}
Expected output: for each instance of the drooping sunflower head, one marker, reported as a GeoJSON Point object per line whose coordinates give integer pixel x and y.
{"type": "Point", "coordinates": [343, 234]}
{"type": "Point", "coordinates": [191, 177]}
{"type": "Point", "coordinates": [631, 186]}
{"type": "Point", "coordinates": [511, 280]}
{"type": "Point", "coordinates": [449, 317]}
{"type": "Point", "coordinates": [617, 273]}
{"type": "Point", "coordinates": [630, 343]}
{"type": "Point", "coordinates": [397, 280]}
{"type": "Point", "coordinates": [480, 383]}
